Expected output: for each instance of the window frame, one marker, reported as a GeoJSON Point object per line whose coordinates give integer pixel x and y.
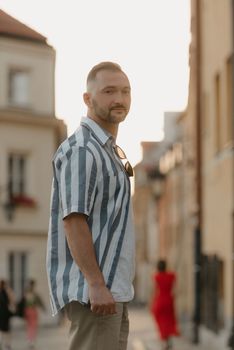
{"type": "Point", "coordinates": [13, 100]}
{"type": "Point", "coordinates": [17, 170]}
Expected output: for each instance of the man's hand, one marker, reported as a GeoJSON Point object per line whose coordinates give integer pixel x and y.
{"type": "Point", "coordinates": [101, 300]}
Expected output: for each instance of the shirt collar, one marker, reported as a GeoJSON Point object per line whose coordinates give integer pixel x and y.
{"type": "Point", "coordinates": [100, 134]}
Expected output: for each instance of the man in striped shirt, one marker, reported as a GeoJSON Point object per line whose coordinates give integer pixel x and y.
{"type": "Point", "coordinates": [90, 256]}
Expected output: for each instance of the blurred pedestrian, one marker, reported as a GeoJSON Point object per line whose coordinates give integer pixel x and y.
{"type": "Point", "coordinates": [32, 302]}
{"type": "Point", "coordinates": [7, 310]}
{"type": "Point", "coordinates": [162, 308]}
{"type": "Point", "coordinates": [91, 240]}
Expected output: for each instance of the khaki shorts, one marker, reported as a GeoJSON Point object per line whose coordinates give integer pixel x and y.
{"type": "Point", "coordinates": [94, 332]}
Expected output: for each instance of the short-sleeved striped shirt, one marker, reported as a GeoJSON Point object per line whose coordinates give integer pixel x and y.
{"type": "Point", "coordinates": [89, 178]}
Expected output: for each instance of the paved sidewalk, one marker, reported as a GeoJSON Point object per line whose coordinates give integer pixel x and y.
{"type": "Point", "coordinates": [49, 338]}
{"type": "Point", "coordinates": [142, 336]}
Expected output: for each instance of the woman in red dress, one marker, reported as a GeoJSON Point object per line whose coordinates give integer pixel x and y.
{"type": "Point", "coordinates": [163, 304]}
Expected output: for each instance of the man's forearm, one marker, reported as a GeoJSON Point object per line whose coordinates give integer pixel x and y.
{"type": "Point", "coordinates": [80, 243]}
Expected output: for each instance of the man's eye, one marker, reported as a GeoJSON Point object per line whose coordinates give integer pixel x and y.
{"type": "Point", "coordinates": [108, 91]}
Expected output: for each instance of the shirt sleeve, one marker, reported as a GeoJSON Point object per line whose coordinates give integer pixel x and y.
{"type": "Point", "coordinates": [77, 183]}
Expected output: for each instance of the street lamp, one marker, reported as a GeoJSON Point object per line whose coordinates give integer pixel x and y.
{"type": "Point", "coordinates": [157, 186]}
{"type": "Point", "coordinates": [156, 178]}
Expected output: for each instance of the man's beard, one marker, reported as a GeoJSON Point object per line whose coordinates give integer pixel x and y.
{"type": "Point", "coordinates": [105, 114]}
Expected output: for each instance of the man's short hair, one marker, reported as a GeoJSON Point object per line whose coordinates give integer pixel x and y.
{"type": "Point", "coordinates": [111, 66]}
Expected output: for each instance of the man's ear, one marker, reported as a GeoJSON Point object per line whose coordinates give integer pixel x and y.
{"type": "Point", "coordinates": [87, 99]}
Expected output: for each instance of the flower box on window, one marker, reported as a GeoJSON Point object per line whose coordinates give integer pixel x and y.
{"type": "Point", "coordinates": [23, 201]}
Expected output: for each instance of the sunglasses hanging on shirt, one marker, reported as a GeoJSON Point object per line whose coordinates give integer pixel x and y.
{"type": "Point", "coordinates": [121, 154]}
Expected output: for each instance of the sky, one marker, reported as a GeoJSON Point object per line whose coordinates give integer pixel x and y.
{"type": "Point", "coordinates": [149, 39]}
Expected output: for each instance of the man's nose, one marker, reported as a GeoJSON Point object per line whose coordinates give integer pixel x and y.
{"type": "Point", "coordinates": [118, 98]}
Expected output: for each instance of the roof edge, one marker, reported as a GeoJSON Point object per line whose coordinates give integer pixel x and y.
{"type": "Point", "coordinates": [12, 27]}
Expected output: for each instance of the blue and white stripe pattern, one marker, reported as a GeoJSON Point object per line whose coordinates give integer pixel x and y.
{"type": "Point", "coordinates": [89, 178]}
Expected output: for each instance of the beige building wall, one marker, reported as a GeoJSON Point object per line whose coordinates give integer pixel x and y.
{"type": "Point", "coordinates": [146, 227]}
{"type": "Point", "coordinates": [216, 51]}
{"type": "Point", "coordinates": [187, 196]}
{"type": "Point", "coordinates": [26, 233]}
{"type": "Point", "coordinates": [38, 145]}
{"type": "Point", "coordinates": [184, 245]}
{"type": "Point", "coordinates": [30, 131]}
{"type": "Point", "coordinates": [39, 61]}
{"type": "Point", "coordinates": [176, 215]}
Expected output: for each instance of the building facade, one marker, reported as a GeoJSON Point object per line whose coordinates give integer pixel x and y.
{"type": "Point", "coordinates": [29, 136]}
{"type": "Point", "coordinates": [216, 99]}
{"type": "Point", "coordinates": [195, 206]}
{"type": "Point", "coordinates": [146, 224]}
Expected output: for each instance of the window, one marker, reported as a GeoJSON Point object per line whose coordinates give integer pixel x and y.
{"type": "Point", "coordinates": [229, 82]}
{"type": "Point", "coordinates": [205, 115]}
{"type": "Point", "coordinates": [16, 174]}
{"type": "Point", "coordinates": [218, 123]}
{"type": "Point", "coordinates": [18, 274]}
{"type": "Point", "coordinates": [212, 292]}
{"type": "Point", "coordinates": [19, 87]}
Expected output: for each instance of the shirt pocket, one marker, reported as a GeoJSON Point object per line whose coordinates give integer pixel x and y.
{"type": "Point", "coordinates": [113, 184]}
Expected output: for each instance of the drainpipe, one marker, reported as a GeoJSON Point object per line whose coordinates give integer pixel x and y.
{"type": "Point", "coordinates": [231, 336]}
{"type": "Point", "coordinates": [198, 228]}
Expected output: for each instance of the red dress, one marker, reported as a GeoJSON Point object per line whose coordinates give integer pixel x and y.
{"type": "Point", "coordinates": [163, 304]}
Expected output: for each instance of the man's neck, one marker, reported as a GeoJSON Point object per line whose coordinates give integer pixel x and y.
{"type": "Point", "coordinates": [109, 127]}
